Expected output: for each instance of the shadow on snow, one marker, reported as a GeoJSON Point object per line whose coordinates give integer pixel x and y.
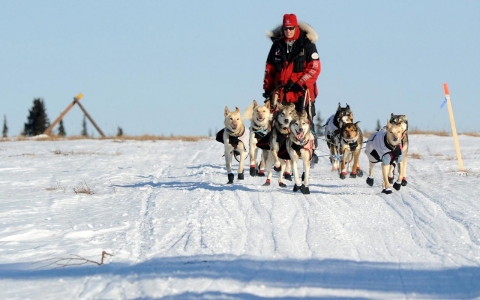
{"type": "Point", "coordinates": [462, 282]}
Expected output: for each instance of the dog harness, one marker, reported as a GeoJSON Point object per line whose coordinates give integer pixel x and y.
{"type": "Point", "coordinates": [259, 130]}
{"type": "Point", "coordinates": [377, 149]}
{"type": "Point", "coordinates": [306, 145]}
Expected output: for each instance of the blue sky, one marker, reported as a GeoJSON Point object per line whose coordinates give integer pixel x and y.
{"type": "Point", "coordinates": [171, 67]}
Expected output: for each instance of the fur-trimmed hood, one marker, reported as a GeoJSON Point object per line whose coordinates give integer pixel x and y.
{"type": "Point", "coordinates": [277, 33]}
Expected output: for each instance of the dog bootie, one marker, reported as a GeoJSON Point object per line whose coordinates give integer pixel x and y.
{"type": "Point", "coordinates": [305, 190]}
{"type": "Point", "coordinates": [230, 178]}
{"type": "Point", "coordinates": [241, 176]}
{"type": "Point", "coordinates": [287, 176]}
{"type": "Point", "coordinates": [359, 173]}
{"type": "Point", "coordinates": [387, 191]}
{"type": "Point", "coordinates": [397, 186]}
{"type": "Point", "coordinates": [267, 182]}
{"type": "Point", "coordinates": [343, 175]}
{"type": "Point", "coordinates": [281, 184]}
{"type": "Point", "coordinates": [370, 181]}
{"type": "Point", "coordinates": [404, 181]}
{"type": "Point", "coordinates": [277, 169]}
{"type": "Point", "coordinates": [253, 171]}
{"type": "Point", "coordinates": [261, 173]}
{"type": "Point", "coordinates": [353, 175]}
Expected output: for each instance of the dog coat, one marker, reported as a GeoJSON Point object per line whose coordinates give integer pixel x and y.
{"type": "Point", "coordinates": [330, 126]}
{"type": "Point", "coordinates": [377, 149]}
{"type": "Point", "coordinates": [233, 140]}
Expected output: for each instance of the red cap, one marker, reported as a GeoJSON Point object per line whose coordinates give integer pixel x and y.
{"type": "Point", "coordinates": [289, 20]}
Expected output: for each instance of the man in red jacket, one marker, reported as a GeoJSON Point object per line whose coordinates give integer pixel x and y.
{"type": "Point", "coordinates": [293, 66]}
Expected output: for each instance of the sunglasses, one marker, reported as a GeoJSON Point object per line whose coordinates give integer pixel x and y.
{"type": "Point", "coordinates": [288, 28]}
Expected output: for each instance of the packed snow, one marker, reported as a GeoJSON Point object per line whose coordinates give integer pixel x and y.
{"type": "Point", "coordinates": [170, 226]}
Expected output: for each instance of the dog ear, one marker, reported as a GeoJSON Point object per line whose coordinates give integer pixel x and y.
{"type": "Point", "coordinates": [237, 110]}
{"type": "Point", "coordinates": [255, 103]}
{"type": "Point", "coordinates": [267, 104]}
{"type": "Point", "coordinates": [356, 123]}
{"type": "Point", "coordinates": [227, 111]}
{"type": "Point", "coordinates": [339, 105]}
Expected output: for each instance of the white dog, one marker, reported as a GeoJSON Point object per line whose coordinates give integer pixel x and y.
{"type": "Point", "coordinates": [235, 137]}
{"type": "Point", "coordinates": [300, 145]}
{"type": "Point", "coordinates": [260, 126]}
{"type": "Point", "coordinates": [384, 146]}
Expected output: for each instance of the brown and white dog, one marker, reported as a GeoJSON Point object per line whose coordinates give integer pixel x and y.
{"type": "Point", "coordinates": [401, 120]}
{"type": "Point", "coordinates": [351, 140]}
{"type": "Point", "coordinates": [332, 132]}
{"type": "Point", "coordinates": [384, 146]}
{"type": "Point", "coordinates": [281, 121]}
{"type": "Point", "coordinates": [260, 126]}
{"type": "Point", "coordinates": [300, 145]}
{"type": "Point", "coordinates": [235, 137]}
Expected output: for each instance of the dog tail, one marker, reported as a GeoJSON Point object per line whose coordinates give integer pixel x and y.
{"type": "Point", "coordinates": [248, 114]}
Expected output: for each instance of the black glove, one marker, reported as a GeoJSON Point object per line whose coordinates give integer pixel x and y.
{"type": "Point", "coordinates": [288, 86]}
{"type": "Point", "coordinates": [291, 86]}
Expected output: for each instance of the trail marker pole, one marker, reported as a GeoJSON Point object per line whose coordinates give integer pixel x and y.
{"type": "Point", "coordinates": [454, 129]}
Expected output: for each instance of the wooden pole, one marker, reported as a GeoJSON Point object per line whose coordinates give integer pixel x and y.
{"type": "Point", "coordinates": [454, 129]}
{"type": "Point", "coordinates": [75, 100]}
{"type": "Point", "coordinates": [90, 118]}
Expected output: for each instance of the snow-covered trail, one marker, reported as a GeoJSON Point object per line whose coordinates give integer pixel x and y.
{"type": "Point", "coordinates": [176, 229]}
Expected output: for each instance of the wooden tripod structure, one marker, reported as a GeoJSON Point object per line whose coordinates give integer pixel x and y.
{"type": "Point", "coordinates": [76, 100]}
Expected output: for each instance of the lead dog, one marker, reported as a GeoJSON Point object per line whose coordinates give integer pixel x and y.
{"type": "Point", "coordinates": [384, 146]}
{"type": "Point", "coordinates": [260, 126]}
{"type": "Point", "coordinates": [235, 137]}
{"type": "Point", "coordinates": [276, 140]}
{"type": "Point", "coordinates": [401, 120]}
{"type": "Point", "coordinates": [351, 141]}
{"type": "Point", "coordinates": [332, 129]}
{"type": "Point", "coordinates": [300, 145]}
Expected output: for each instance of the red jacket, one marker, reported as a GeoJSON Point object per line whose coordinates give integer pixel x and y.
{"type": "Point", "coordinates": [301, 64]}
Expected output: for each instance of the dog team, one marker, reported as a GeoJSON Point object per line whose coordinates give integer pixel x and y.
{"type": "Point", "coordinates": [282, 131]}
{"type": "Point", "coordinates": [279, 136]}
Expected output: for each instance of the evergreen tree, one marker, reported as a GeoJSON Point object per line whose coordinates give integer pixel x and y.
{"type": "Point", "coordinates": [119, 131]}
{"type": "Point", "coordinates": [319, 124]}
{"type": "Point", "coordinates": [378, 125]}
{"type": "Point", "coordinates": [5, 127]}
{"type": "Point", "coordinates": [37, 120]}
{"type": "Point", "coordinates": [61, 129]}
{"type": "Point", "coordinates": [84, 127]}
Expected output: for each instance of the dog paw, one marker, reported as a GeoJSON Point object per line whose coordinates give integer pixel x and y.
{"type": "Point", "coordinates": [230, 178]}
{"type": "Point", "coordinates": [253, 171]}
{"type": "Point", "coordinates": [287, 176]}
{"type": "Point", "coordinates": [241, 176]}
{"type": "Point", "coordinates": [281, 184]}
{"type": "Point", "coordinates": [296, 187]}
{"type": "Point", "coordinates": [267, 183]}
{"type": "Point", "coordinates": [359, 173]}
{"type": "Point", "coordinates": [305, 190]}
{"type": "Point", "coordinates": [404, 181]}
{"type": "Point", "coordinates": [277, 169]}
{"type": "Point", "coordinates": [397, 186]}
{"type": "Point", "coordinates": [303, 176]}
{"type": "Point", "coordinates": [387, 191]}
{"type": "Point", "coordinates": [370, 181]}
{"type": "Point", "coordinates": [353, 175]}
{"type": "Point", "coordinates": [390, 179]}
{"type": "Point", "coordinates": [343, 175]}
